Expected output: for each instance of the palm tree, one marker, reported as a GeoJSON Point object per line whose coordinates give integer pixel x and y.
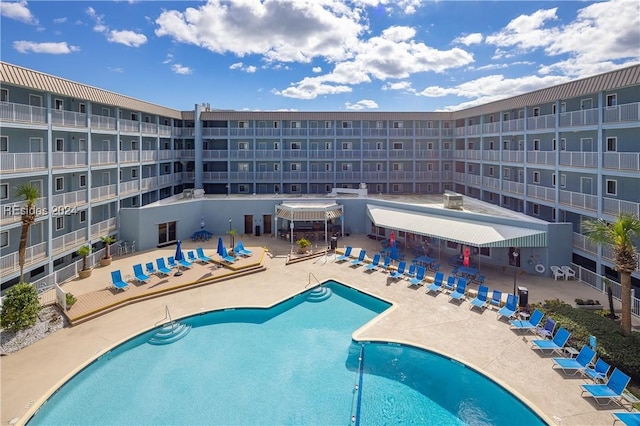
{"type": "Point", "coordinates": [30, 194]}
{"type": "Point", "coordinates": [620, 235]}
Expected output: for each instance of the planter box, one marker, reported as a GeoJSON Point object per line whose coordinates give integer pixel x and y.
{"type": "Point", "coordinates": [591, 307]}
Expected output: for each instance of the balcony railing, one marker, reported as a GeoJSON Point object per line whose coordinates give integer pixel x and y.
{"type": "Point", "coordinates": [297, 176]}
{"type": "Point", "coordinates": [263, 131]}
{"type": "Point", "coordinates": [164, 130]}
{"type": "Point", "coordinates": [70, 241]}
{"type": "Point", "coordinates": [472, 179]}
{"type": "Point", "coordinates": [165, 154]}
{"type": "Point", "coordinates": [241, 176]}
{"type": "Point", "coordinates": [184, 132]}
{"type": "Point", "coordinates": [423, 153]}
{"type": "Point", "coordinates": [212, 132]}
{"type": "Point", "coordinates": [20, 113]}
{"type": "Point", "coordinates": [331, 132]}
{"type": "Point", "coordinates": [585, 117]}
{"type": "Point", "coordinates": [622, 161]}
{"type": "Point", "coordinates": [268, 153]}
{"type": "Point", "coordinates": [68, 118]}
{"type": "Point", "coordinates": [34, 254]}
{"type": "Point", "coordinates": [320, 176]}
{"type": "Point", "coordinates": [622, 113]}
{"type": "Point", "coordinates": [294, 153]}
{"type": "Point", "coordinates": [129, 126]}
{"type": "Point", "coordinates": [22, 161]}
{"type": "Point", "coordinates": [69, 199]}
{"type": "Point", "coordinates": [103, 157]}
{"type": "Point", "coordinates": [349, 132]}
{"type": "Point", "coordinates": [322, 153]}
{"type": "Point", "coordinates": [516, 125]}
{"type": "Point", "coordinates": [428, 132]}
{"type": "Point", "coordinates": [129, 187]}
{"type": "Point", "coordinates": [474, 154]}
{"type": "Point", "coordinates": [129, 156]}
{"type": "Point", "coordinates": [10, 213]}
{"type": "Point", "coordinates": [579, 200]}
{"type": "Point", "coordinates": [149, 155]}
{"type": "Point", "coordinates": [68, 159]}
{"type": "Point", "coordinates": [210, 176]}
{"type": "Point", "coordinates": [428, 175]}
{"type": "Point", "coordinates": [167, 179]}
{"type": "Point", "coordinates": [491, 183]}
{"type": "Point", "coordinates": [382, 133]}
{"type": "Point", "coordinates": [541, 192]}
{"type": "Point", "coordinates": [106, 227]}
{"type": "Point", "coordinates": [401, 132]}
{"type": "Point", "coordinates": [459, 177]}
{"type": "Point", "coordinates": [103, 123]}
{"type": "Point", "coordinates": [401, 153]}
{"type": "Point", "coordinates": [269, 176]}
{"type": "Point", "coordinates": [343, 153]}
{"type": "Point", "coordinates": [294, 132]}
{"type": "Point", "coordinates": [513, 187]}
{"type": "Point", "coordinates": [513, 156]}
{"type": "Point", "coordinates": [579, 159]}
{"type": "Point", "coordinates": [581, 242]}
{"type": "Point", "coordinates": [541, 157]}
{"type": "Point", "coordinates": [491, 155]}
{"type": "Point", "coordinates": [149, 183]}
{"type": "Point", "coordinates": [474, 129]}
{"type": "Point", "coordinates": [99, 193]}
{"type": "Point", "coordinates": [614, 207]}
{"type": "Point", "coordinates": [149, 128]}
{"type": "Point", "coordinates": [491, 128]}
{"type": "Point", "coordinates": [541, 122]}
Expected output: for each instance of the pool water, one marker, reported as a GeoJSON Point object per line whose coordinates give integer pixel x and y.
{"type": "Point", "coordinates": [293, 364]}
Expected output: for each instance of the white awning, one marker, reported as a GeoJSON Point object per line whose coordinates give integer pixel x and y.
{"type": "Point", "coordinates": [308, 212]}
{"type": "Point", "coordinates": [468, 232]}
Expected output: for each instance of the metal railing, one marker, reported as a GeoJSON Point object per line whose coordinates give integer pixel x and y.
{"type": "Point", "coordinates": [34, 254]}
{"type": "Point", "coordinates": [599, 282]}
{"type": "Point", "coordinates": [27, 161]}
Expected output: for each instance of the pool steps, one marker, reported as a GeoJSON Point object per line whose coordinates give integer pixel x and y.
{"type": "Point", "coordinates": [319, 294]}
{"type": "Point", "coordinates": [169, 333]}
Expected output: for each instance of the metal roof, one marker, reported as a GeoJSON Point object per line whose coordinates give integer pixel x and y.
{"type": "Point", "coordinates": [469, 232]}
{"type": "Point", "coordinates": [308, 211]}
{"type": "Point", "coordinates": [23, 77]}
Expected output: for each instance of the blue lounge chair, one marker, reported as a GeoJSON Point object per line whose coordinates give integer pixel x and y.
{"type": "Point", "coordinates": [496, 299]}
{"type": "Point", "coordinates": [150, 269]}
{"type": "Point", "coordinates": [555, 345]}
{"type": "Point", "coordinates": [412, 271]}
{"type": "Point", "coordinates": [609, 391]}
{"type": "Point", "coordinates": [139, 274]}
{"type": "Point", "coordinates": [203, 257]}
{"type": "Point", "coordinates": [450, 284]}
{"type": "Point", "coordinates": [460, 291]}
{"type": "Point", "coordinates": [243, 250]}
{"type": "Point", "coordinates": [436, 286]}
{"type": "Point", "coordinates": [192, 257]}
{"type": "Point", "coordinates": [597, 373]}
{"type": "Point", "coordinates": [374, 263]}
{"type": "Point", "coordinates": [171, 261]}
{"type": "Point", "coordinates": [575, 365]}
{"type": "Point", "coordinates": [360, 260]}
{"type": "Point", "coordinates": [385, 265]}
{"type": "Point", "coordinates": [346, 255]}
{"type": "Point", "coordinates": [510, 308]}
{"type": "Point", "coordinates": [628, 419]}
{"type": "Point", "coordinates": [547, 330]}
{"type": "Point", "coordinates": [226, 257]}
{"type": "Point", "coordinates": [480, 301]}
{"type": "Point", "coordinates": [185, 263]}
{"type": "Point", "coordinates": [398, 272]}
{"type": "Point", "coordinates": [162, 268]}
{"type": "Point", "coordinates": [528, 325]}
{"type": "Point", "coordinates": [117, 281]}
{"type": "Point", "coordinates": [419, 276]}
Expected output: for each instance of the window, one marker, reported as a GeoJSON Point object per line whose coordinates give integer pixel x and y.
{"type": "Point", "coordinates": [612, 187]}
{"type": "Point", "coordinates": [134, 116]}
{"type": "Point", "coordinates": [4, 143]}
{"type": "Point", "coordinates": [328, 146]}
{"type": "Point", "coordinates": [276, 124]}
{"type": "Point", "coordinates": [327, 188]}
{"type": "Point", "coordinates": [276, 146]}
{"type": "Point", "coordinates": [242, 188]}
{"type": "Point", "coordinates": [379, 188]}
{"type": "Point", "coordinates": [397, 167]}
{"type": "Point", "coordinates": [536, 112]}
{"type": "Point", "coordinates": [379, 146]}
{"type": "Point", "coordinates": [505, 116]}
{"type": "Point", "coordinates": [485, 251]}
{"type": "Point", "coordinates": [295, 167]}
{"type": "Point", "coordinates": [243, 167]}
{"type": "Point", "coordinates": [327, 125]}
{"type": "Point", "coordinates": [429, 166]}
{"type": "Point", "coordinates": [536, 209]}
{"type": "Point", "coordinates": [346, 167]}
{"type": "Point", "coordinates": [346, 146]}
{"type": "Point", "coordinates": [166, 168]}
{"type": "Point", "coordinates": [276, 167]}
{"type": "Point", "coordinates": [612, 100]}
{"type": "Point", "coordinates": [120, 173]}
{"type": "Point", "coordinates": [296, 145]}
{"type": "Point", "coordinates": [4, 239]}
{"type": "Point", "coordinates": [563, 144]}
{"type": "Point", "coordinates": [58, 104]}
{"type": "Point", "coordinates": [563, 107]}
{"type": "Point", "coordinates": [553, 179]}
{"type": "Point", "coordinates": [398, 124]}
{"type": "Point", "coordinates": [446, 166]}
{"type": "Point", "coordinates": [82, 145]}
{"type": "Point", "coordinates": [554, 145]}
{"type": "Point", "coordinates": [506, 173]}
{"type": "Point", "coordinates": [59, 183]}
{"type": "Point", "coordinates": [563, 180]}
{"type": "Point", "coordinates": [536, 144]}
{"type": "Point", "coordinates": [276, 188]}
{"type": "Point", "coordinates": [4, 95]}
{"type": "Point", "coordinates": [612, 144]}
{"type": "Point", "coordinates": [396, 187]}
{"type": "Point", "coordinates": [4, 191]}
{"type": "Point", "coordinates": [470, 168]}
{"type": "Point", "coordinates": [243, 146]}
{"type": "Point", "coordinates": [446, 145]}
{"type": "Point", "coordinates": [490, 170]}
{"type": "Point", "coordinates": [243, 124]}
{"type": "Point", "coordinates": [379, 167]}
{"type": "Point", "coordinates": [536, 177]}
{"type": "Point", "coordinates": [429, 187]}
{"type": "Point", "coordinates": [429, 146]}
{"type": "Point", "coordinates": [83, 181]}
{"type": "Point", "coordinates": [328, 167]}
{"type": "Point", "coordinates": [59, 144]}
{"type": "Point", "coordinates": [295, 187]}
{"type": "Point", "coordinates": [295, 125]}
{"type": "Point", "coordinates": [379, 125]}
{"type": "Point", "coordinates": [59, 223]}
{"type": "Point", "coordinates": [446, 124]}
{"type": "Point", "coordinates": [553, 108]}
{"type": "Point", "coordinates": [347, 124]}
{"type": "Point", "coordinates": [134, 173]}
{"type": "Point", "coordinates": [134, 145]}
{"type": "Point", "coordinates": [166, 233]}
{"type": "Point", "coordinates": [505, 144]}
{"type": "Point", "coordinates": [83, 216]}
{"type": "Point", "coordinates": [553, 215]}
{"type": "Point", "coordinates": [82, 108]}
{"type": "Point", "coordinates": [429, 124]}
{"type": "Point", "coordinates": [397, 145]}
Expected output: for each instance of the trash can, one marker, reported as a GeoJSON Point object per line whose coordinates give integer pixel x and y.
{"type": "Point", "coordinates": [334, 243]}
{"type": "Point", "coordinates": [523, 297]}
{"type": "Point", "coordinates": [257, 230]}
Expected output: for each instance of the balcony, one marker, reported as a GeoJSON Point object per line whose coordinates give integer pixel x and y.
{"type": "Point", "coordinates": [352, 176]}
{"type": "Point", "coordinates": [491, 183]}
{"type": "Point", "coordinates": [242, 154]}
{"type": "Point", "coordinates": [491, 155]}
{"type": "Point", "coordinates": [210, 176]}
{"type": "Point", "coordinates": [381, 133]}
{"type": "Point", "coordinates": [488, 128]}
{"type": "Point", "coordinates": [513, 187]}
{"type": "Point", "coordinates": [263, 131]}
{"type": "Point", "coordinates": [622, 161]}
{"type": "Point", "coordinates": [473, 129]}
{"type": "Point", "coordinates": [149, 183]}
{"type": "Point", "coordinates": [579, 159]}
{"type": "Point", "coordinates": [327, 132]}
{"type": "Point", "coordinates": [106, 227]}
{"type": "Point", "coordinates": [150, 128]}
{"type": "Point", "coordinates": [424, 153]}
{"type": "Point", "coordinates": [516, 125]}
{"type": "Point", "coordinates": [129, 156]}
{"type": "Point", "coordinates": [541, 157]}
{"type": "Point", "coordinates": [321, 153]}
{"type": "Point", "coordinates": [403, 133]}
{"type": "Point", "coordinates": [321, 176]}
{"type": "Point", "coordinates": [69, 199]}
{"type": "Point", "coordinates": [614, 207]}
{"type": "Point", "coordinates": [223, 132]}
{"type": "Point", "coordinates": [20, 113]}
{"type": "Point", "coordinates": [68, 242]}
{"type": "Point", "coordinates": [622, 113]}
{"type": "Point", "coordinates": [459, 177]}
{"type": "Point", "coordinates": [167, 179]}
{"type": "Point", "coordinates": [130, 126]}
{"type": "Point", "coordinates": [184, 132]}
{"type": "Point", "coordinates": [348, 132]}
{"type": "Point", "coordinates": [241, 176]}
{"type": "Point", "coordinates": [22, 161]}
{"type": "Point", "coordinates": [427, 133]}
{"type": "Point", "coordinates": [581, 242]}
{"type": "Point", "coordinates": [585, 117]}
{"type": "Point", "coordinates": [541, 122]}
{"type": "Point", "coordinates": [103, 158]}
{"type": "Point", "coordinates": [211, 153]}
{"type": "Point", "coordinates": [33, 255]}
{"type": "Point", "coordinates": [401, 153]}
{"type": "Point", "coordinates": [164, 130]}
{"type": "Point", "coordinates": [541, 192]}
{"type": "Point", "coordinates": [68, 159]}
{"type": "Point", "coordinates": [165, 154]}
{"type": "Point", "coordinates": [295, 176]}
{"type": "Point", "coordinates": [101, 193]}
{"type": "Point", "coordinates": [100, 122]}
{"type": "Point", "coordinates": [294, 132]}
{"type": "Point", "coordinates": [129, 187]}
{"type": "Point", "coordinates": [68, 118]}
{"type": "Point", "coordinates": [471, 179]}
{"type": "Point", "coordinates": [428, 175]}
{"type": "Point", "coordinates": [11, 213]}
{"type": "Point", "coordinates": [149, 155]}
{"type": "Point", "coordinates": [579, 200]}
{"type": "Point", "coordinates": [294, 153]}
{"type": "Point", "coordinates": [268, 176]}
{"type": "Point", "coordinates": [346, 153]}
{"type": "Point", "coordinates": [474, 154]}
{"type": "Point", "coordinates": [513, 156]}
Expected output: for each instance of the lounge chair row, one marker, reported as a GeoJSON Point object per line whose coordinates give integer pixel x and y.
{"type": "Point", "coordinates": [414, 273]}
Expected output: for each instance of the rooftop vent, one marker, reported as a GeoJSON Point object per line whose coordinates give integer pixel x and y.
{"type": "Point", "coordinates": [453, 201]}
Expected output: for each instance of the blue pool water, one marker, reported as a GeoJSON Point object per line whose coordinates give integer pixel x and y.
{"type": "Point", "coordinates": [292, 364]}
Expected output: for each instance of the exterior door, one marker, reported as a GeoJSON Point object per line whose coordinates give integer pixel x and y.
{"type": "Point", "coordinates": [248, 224]}
{"type": "Point", "coordinates": [586, 185]}
{"type": "Point", "coordinates": [266, 223]}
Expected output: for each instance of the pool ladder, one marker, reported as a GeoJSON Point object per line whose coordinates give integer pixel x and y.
{"type": "Point", "coordinates": [170, 332]}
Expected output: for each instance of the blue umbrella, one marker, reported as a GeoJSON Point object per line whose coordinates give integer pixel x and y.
{"type": "Point", "coordinates": [394, 251]}
{"type": "Point", "coordinates": [179, 256]}
{"type": "Point", "coordinates": [220, 249]}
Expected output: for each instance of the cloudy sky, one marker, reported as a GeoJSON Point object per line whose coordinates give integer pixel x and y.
{"type": "Point", "coordinates": [321, 55]}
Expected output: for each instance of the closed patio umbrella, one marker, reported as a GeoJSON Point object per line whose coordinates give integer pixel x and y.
{"type": "Point", "coordinates": [178, 257]}
{"type": "Point", "coordinates": [220, 248]}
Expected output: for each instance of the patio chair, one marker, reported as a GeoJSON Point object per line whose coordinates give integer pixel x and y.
{"type": "Point", "coordinates": [398, 272]}
{"type": "Point", "coordinates": [555, 345]}
{"type": "Point", "coordinates": [360, 260]}
{"type": "Point", "coordinates": [547, 330]}
{"type": "Point", "coordinates": [568, 272]}
{"type": "Point", "coordinates": [139, 274]}
{"type": "Point", "coordinates": [573, 366]}
{"type": "Point", "coordinates": [450, 284]}
{"type": "Point", "coordinates": [459, 293]}
{"type": "Point", "coordinates": [510, 308]}
{"type": "Point", "coordinates": [628, 419]}
{"type": "Point", "coordinates": [171, 262]}
{"type": "Point", "coordinates": [117, 282]}
{"type": "Point", "coordinates": [528, 325]}
{"type": "Point", "coordinates": [346, 255]}
{"type": "Point", "coordinates": [184, 263]}
{"type": "Point", "coordinates": [412, 271]}
{"type": "Point", "coordinates": [480, 301]}
{"type": "Point", "coordinates": [201, 256]}
{"type": "Point", "coordinates": [245, 252]}
{"type": "Point", "coordinates": [557, 272]}
{"type": "Point", "coordinates": [436, 286]}
{"type": "Point", "coordinates": [226, 257]}
{"type": "Point", "coordinates": [610, 391]}
{"type": "Point", "coordinates": [385, 265]}
{"type": "Point", "coordinates": [150, 269]}
{"type": "Point", "coordinates": [193, 259]}
{"type": "Point", "coordinates": [419, 278]}
{"type": "Point", "coordinates": [238, 250]}
{"type": "Point", "coordinates": [598, 373]}
{"type": "Point", "coordinates": [496, 299]}
{"type": "Point", "coordinates": [374, 263]}
{"type": "Point", "coordinates": [162, 268]}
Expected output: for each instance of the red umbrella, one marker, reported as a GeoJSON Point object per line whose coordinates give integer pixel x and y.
{"type": "Point", "coordinates": [392, 238]}
{"type": "Point", "coordinates": [465, 260]}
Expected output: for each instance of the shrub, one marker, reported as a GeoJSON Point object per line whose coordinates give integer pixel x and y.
{"type": "Point", "coordinates": [70, 299]}
{"type": "Point", "coordinates": [20, 307]}
{"type": "Point", "coordinates": [616, 349]}
{"type": "Point", "coordinates": [303, 243]}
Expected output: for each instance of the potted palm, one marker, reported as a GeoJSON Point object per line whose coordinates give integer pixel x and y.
{"type": "Point", "coordinates": [106, 259]}
{"type": "Point", "coordinates": [84, 251]}
{"type": "Point", "coordinates": [303, 245]}
{"type": "Point", "coordinates": [70, 300]}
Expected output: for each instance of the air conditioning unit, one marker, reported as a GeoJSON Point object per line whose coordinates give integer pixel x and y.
{"type": "Point", "coordinates": [453, 201]}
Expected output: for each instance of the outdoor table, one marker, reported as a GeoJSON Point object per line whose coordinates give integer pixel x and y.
{"type": "Point", "coordinates": [424, 260]}
{"type": "Point", "coordinates": [467, 272]}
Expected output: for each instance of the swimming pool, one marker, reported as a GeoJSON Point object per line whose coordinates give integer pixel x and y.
{"type": "Point", "coordinates": [292, 364]}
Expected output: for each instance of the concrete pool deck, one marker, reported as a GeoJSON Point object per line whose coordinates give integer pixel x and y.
{"type": "Point", "coordinates": [474, 337]}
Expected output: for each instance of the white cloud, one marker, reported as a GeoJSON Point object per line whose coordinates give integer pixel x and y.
{"type": "Point", "coordinates": [362, 104]}
{"type": "Point", "coordinates": [168, 59]}
{"type": "Point", "coordinates": [60, 48]}
{"type": "Point", "coordinates": [179, 69]}
{"type": "Point", "coordinates": [60, 20]}
{"type": "Point", "coordinates": [400, 85]}
{"type": "Point", "coordinates": [311, 88]}
{"type": "Point", "coordinates": [316, 69]}
{"type": "Point", "coordinates": [469, 39]}
{"type": "Point", "coordinates": [406, 6]}
{"type": "Point", "coordinates": [525, 32]}
{"type": "Point", "coordinates": [126, 37]}
{"type": "Point", "coordinates": [240, 66]}
{"type": "Point", "coordinates": [17, 10]}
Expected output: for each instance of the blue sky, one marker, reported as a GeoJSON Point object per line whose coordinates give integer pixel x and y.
{"type": "Point", "coordinates": [321, 55]}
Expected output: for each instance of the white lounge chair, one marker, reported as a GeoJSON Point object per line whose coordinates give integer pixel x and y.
{"type": "Point", "coordinates": [568, 273]}
{"type": "Point", "coordinates": [557, 272]}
